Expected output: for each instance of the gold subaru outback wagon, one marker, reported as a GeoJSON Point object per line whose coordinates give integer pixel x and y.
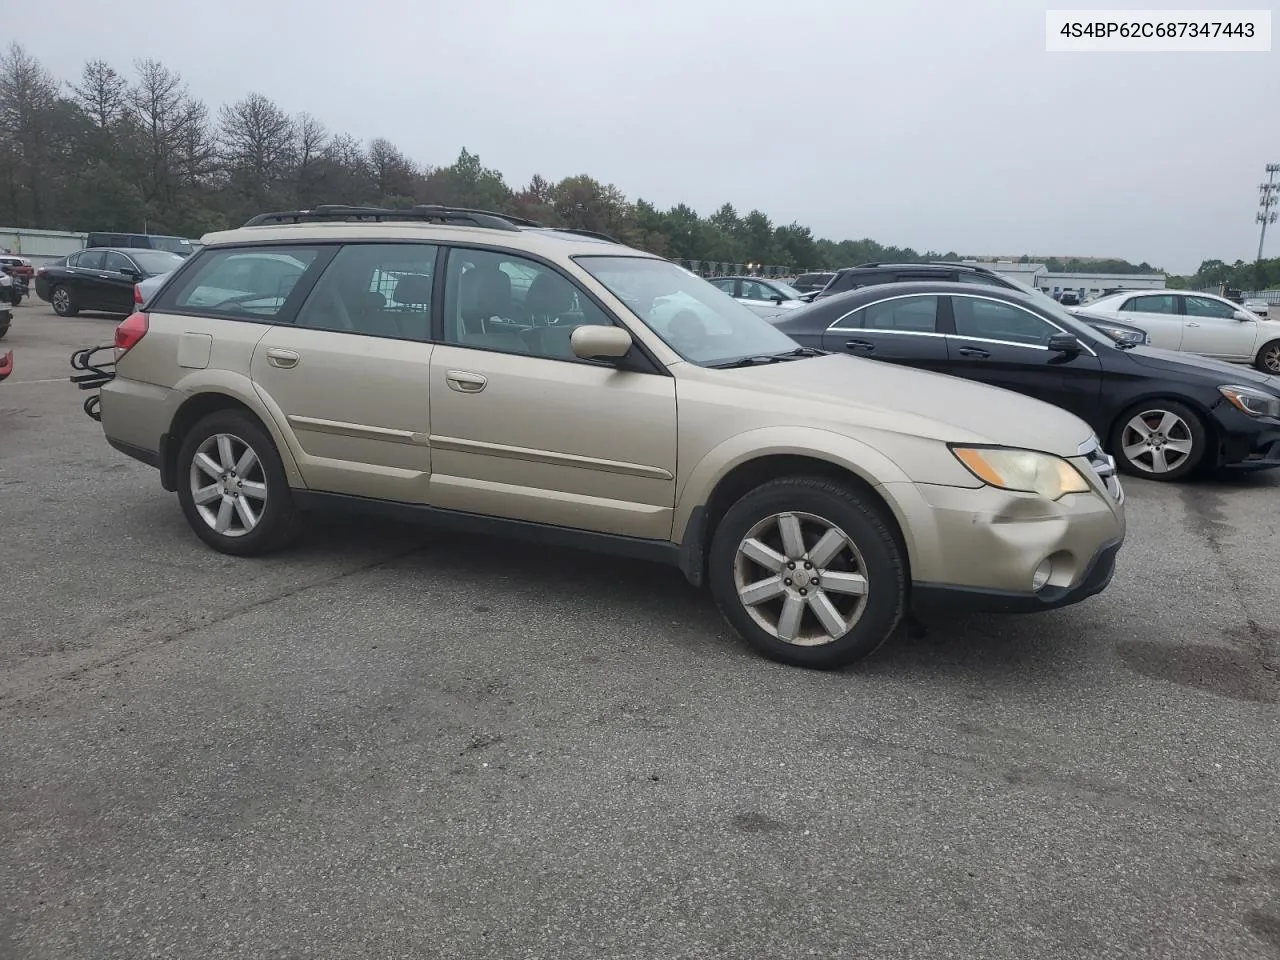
{"type": "Point", "coordinates": [487, 373]}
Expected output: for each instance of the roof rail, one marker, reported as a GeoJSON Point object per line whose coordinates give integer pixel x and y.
{"type": "Point", "coordinates": [585, 233]}
{"type": "Point", "coordinates": [433, 213]}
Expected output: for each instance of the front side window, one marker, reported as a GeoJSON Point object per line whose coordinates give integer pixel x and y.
{"type": "Point", "coordinates": [117, 263]}
{"type": "Point", "coordinates": [252, 282]}
{"type": "Point", "coordinates": [1204, 307]}
{"type": "Point", "coordinates": [690, 315]}
{"type": "Point", "coordinates": [994, 320]}
{"type": "Point", "coordinates": [375, 289]}
{"type": "Point", "coordinates": [1158, 303]}
{"type": "Point", "coordinates": [501, 301]}
{"type": "Point", "coordinates": [902, 315]}
{"type": "Point", "coordinates": [753, 290]}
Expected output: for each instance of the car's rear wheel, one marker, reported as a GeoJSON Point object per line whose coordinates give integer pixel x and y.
{"type": "Point", "coordinates": [808, 572]}
{"type": "Point", "coordinates": [1159, 440]}
{"type": "Point", "coordinates": [1268, 358]}
{"type": "Point", "coordinates": [63, 304]}
{"type": "Point", "coordinates": [233, 488]}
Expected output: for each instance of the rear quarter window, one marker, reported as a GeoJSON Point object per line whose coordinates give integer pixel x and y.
{"type": "Point", "coordinates": [250, 283]}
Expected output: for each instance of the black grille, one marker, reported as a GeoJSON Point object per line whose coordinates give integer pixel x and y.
{"type": "Point", "coordinates": [1104, 466]}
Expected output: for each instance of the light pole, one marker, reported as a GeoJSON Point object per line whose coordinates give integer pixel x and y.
{"type": "Point", "coordinates": [1270, 198]}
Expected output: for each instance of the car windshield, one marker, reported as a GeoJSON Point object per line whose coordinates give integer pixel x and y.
{"type": "Point", "coordinates": [173, 245]}
{"type": "Point", "coordinates": [1039, 295]}
{"type": "Point", "coordinates": [156, 261]}
{"type": "Point", "coordinates": [786, 289]}
{"type": "Point", "coordinates": [693, 317]}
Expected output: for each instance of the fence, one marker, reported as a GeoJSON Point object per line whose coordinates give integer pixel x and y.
{"type": "Point", "coordinates": [1272, 297]}
{"type": "Point", "coordinates": [712, 268]}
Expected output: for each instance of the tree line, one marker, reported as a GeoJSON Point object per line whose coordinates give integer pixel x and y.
{"type": "Point", "coordinates": [137, 151]}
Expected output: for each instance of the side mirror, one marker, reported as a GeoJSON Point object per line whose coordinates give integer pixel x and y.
{"type": "Point", "coordinates": [1064, 343]}
{"type": "Point", "coordinates": [778, 300]}
{"type": "Point", "coordinates": [1243, 315]}
{"type": "Point", "coordinates": [598, 342]}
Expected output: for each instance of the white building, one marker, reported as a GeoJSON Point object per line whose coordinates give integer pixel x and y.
{"type": "Point", "coordinates": [1085, 285]}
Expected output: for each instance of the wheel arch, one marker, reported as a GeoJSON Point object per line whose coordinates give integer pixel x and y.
{"type": "Point", "coordinates": [1203, 410]}
{"type": "Point", "coordinates": [210, 399]}
{"type": "Point", "coordinates": [707, 498]}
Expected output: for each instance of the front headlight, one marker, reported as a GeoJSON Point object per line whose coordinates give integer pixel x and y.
{"type": "Point", "coordinates": [1121, 334]}
{"type": "Point", "coordinates": [1028, 470]}
{"type": "Point", "coordinates": [1253, 402]}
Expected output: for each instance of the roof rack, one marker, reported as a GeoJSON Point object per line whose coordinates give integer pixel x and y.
{"type": "Point", "coordinates": [433, 213]}
{"type": "Point", "coordinates": [585, 233]}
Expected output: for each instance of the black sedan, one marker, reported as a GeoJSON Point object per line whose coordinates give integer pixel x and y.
{"type": "Point", "coordinates": [1160, 414]}
{"type": "Point", "coordinates": [101, 278]}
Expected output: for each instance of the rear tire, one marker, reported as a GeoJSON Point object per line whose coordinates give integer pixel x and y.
{"type": "Point", "coordinates": [808, 572]}
{"type": "Point", "coordinates": [1159, 440]}
{"type": "Point", "coordinates": [232, 486]}
{"type": "Point", "coordinates": [63, 304]}
{"type": "Point", "coordinates": [1268, 358]}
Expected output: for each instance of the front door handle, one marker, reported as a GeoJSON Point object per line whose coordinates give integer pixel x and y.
{"type": "Point", "coordinates": [1192, 323]}
{"type": "Point", "coordinates": [279, 357]}
{"type": "Point", "coordinates": [465, 382]}
{"type": "Point", "coordinates": [974, 352]}
{"type": "Point", "coordinates": [865, 346]}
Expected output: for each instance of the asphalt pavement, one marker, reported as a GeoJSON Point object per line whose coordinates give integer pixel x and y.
{"type": "Point", "coordinates": [391, 742]}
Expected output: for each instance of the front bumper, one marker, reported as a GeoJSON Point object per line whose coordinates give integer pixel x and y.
{"type": "Point", "coordinates": [981, 547]}
{"type": "Point", "coordinates": [1244, 442]}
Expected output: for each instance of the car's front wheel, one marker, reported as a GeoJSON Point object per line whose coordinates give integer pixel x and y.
{"type": "Point", "coordinates": [233, 488]}
{"type": "Point", "coordinates": [1268, 358]}
{"type": "Point", "coordinates": [63, 304]}
{"type": "Point", "coordinates": [808, 572]}
{"type": "Point", "coordinates": [1159, 440]}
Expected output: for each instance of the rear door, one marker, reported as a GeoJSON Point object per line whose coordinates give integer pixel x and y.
{"type": "Point", "coordinates": [1157, 313]}
{"type": "Point", "coordinates": [350, 377]}
{"type": "Point", "coordinates": [1005, 344]}
{"type": "Point", "coordinates": [1210, 328]}
{"type": "Point", "coordinates": [902, 329]}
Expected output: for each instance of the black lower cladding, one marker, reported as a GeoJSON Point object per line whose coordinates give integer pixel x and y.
{"type": "Point", "coordinates": [1246, 443]}
{"type": "Point", "coordinates": [141, 454]}
{"type": "Point", "coordinates": [929, 596]}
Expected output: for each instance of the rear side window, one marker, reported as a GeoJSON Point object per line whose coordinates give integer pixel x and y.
{"type": "Point", "coordinates": [249, 282]}
{"type": "Point", "coordinates": [375, 289]}
{"type": "Point", "coordinates": [1160, 303]}
{"type": "Point", "coordinates": [902, 315]}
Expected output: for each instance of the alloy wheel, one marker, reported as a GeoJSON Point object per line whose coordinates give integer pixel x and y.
{"type": "Point", "coordinates": [1157, 441]}
{"type": "Point", "coordinates": [800, 578]}
{"type": "Point", "coordinates": [1271, 357]}
{"type": "Point", "coordinates": [61, 300]}
{"type": "Point", "coordinates": [228, 485]}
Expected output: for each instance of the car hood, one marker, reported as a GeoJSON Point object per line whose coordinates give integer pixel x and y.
{"type": "Point", "coordinates": [1219, 371]}
{"type": "Point", "coordinates": [898, 399]}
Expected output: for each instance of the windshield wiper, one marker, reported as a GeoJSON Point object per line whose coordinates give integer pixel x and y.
{"type": "Point", "coordinates": [758, 360]}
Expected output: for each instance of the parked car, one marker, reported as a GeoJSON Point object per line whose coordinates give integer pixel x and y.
{"type": "Point", "coordinates": [1202, 323]}
{"type": "Point", "coordinates": [873, 274]}
{"type": "Point", "coordinates": [101, 279]}
{"type": "Point", "coordinates": [21, 272]}
{"type": "Point", "coordinates": [6, 365]}
{"type": "Point", "coordinates": [6, 319]}
{"type": "Point", "coordinates": [142, 241]}
{"type": "Point", "coordinates": [401, 373]}
{"type": "Point", "coordinates": [1257, 305]}
{"type": "Point", "coordinates": [763, 297]}
{"type": "Point", "coordinates": [1161, 414]}
{"type": "Point", "coordinates": [9, 291]}
{"type": "Point", "coordinates": [1069, 298]}
{"type": "Point", "coordinates": [811, 282]}
{"type": "Point", "coordinates": [146, 289]}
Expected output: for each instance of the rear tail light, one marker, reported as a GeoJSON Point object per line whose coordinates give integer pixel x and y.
{"type": "Point", "coordinates": [137, 293]}
{"type": "Point", "coordinates": [129, 332]}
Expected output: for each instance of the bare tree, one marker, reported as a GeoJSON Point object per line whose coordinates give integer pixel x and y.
{"type": "Point", "coordinates": [256, 146]}
{"type": "Point", "coordinates": [28, 112]}
{"type": "Point", "coordinates": [165, 115]}
{"type": "Point", "coordinates": [102, 94]}
{"type": "Point", "coordinates": [310, 138]}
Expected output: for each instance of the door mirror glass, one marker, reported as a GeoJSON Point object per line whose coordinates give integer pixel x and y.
{"type": "Point", "coordinates": [596, 342]}
{"type": "Point", "coordinates": [1064, 343]}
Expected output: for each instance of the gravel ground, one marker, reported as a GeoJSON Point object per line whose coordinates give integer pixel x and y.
{"type": "Point", "coordinates": [390, 742]}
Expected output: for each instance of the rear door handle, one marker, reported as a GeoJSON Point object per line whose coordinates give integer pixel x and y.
{"type": "Point", "coordinates": [865, 346]}
{"type": "Point", "coordinates": [465, 382]}
{"type": "Point", "coordinates": [974, 352]}
{"type": "Point", "coordinates": [1192, 323]}
{"type": "Point", "coordinates": [279, 357]}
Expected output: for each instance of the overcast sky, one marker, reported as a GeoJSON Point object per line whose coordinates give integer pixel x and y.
{"type": "Point", "coordinates": [935, 124]}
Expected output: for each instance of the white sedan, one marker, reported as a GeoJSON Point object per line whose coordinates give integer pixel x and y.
{"type": "Point", "coordinates": [1202, 323]}
{"type": "Point", "coordinates": [764, 298]}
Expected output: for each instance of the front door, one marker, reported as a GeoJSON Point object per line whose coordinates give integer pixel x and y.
{"type": "Point", "coordinates": [117, 278]}
{"type": "Point", "coordinates": [1005, 345]}
{"type": "Point", "coordinates": [900, 329]}
{"type": "Point", "coordinates": [349, 379]}
{"type": "Point", "coordinates": [1210, 328]}
{"type": "Point", "coordinates": [522, 429]}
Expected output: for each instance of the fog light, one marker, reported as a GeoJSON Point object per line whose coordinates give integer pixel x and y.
{"type": "Point", "coordinates": [1042, 574]}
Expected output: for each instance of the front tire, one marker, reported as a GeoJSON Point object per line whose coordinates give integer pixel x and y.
{"type": "Point", "coordinates": [1268, 358]}
{"type": "Point", "coordinates": [63, 304]}
{"type": "Point", "coordinates": [232, 486]}
{"type": "Point", "coordinates": [808, 573]}
{"type": "Point", "coordinates": [1159, 440]}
